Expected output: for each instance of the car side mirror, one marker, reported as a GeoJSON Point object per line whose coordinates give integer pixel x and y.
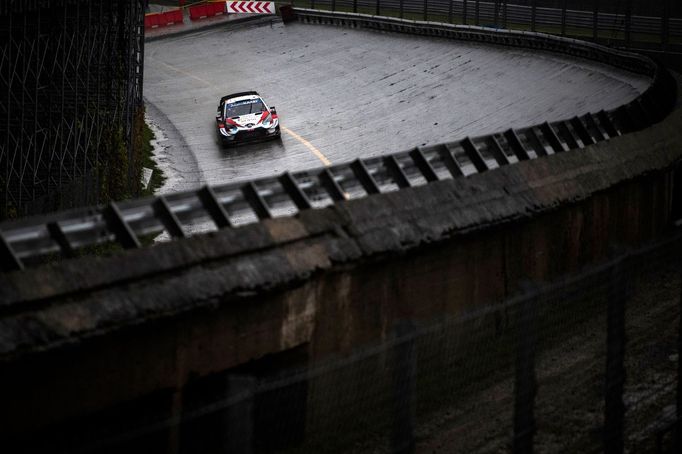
{"type": "Point", "coordinates": [273, 110]}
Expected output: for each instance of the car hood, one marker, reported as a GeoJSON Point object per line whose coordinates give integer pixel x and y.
{"type": "Point", "coordinates": [248, 121]}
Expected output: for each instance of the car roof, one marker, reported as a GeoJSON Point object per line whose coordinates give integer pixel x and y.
{"type": "Point", "coordinates": [242, 98]}
{"type": "Point", "coordinates": [244, 94]}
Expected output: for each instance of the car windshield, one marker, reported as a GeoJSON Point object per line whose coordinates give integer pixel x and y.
{"type": "Point", "coordinates": [239, 108]}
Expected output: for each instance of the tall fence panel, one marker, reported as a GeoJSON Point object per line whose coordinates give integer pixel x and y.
{"type": "Point", "coordinates": [70, 88]}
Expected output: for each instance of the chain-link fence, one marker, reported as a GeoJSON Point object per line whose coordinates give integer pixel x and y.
{"type": "Point", "coordinates": [655, 26]}
{"type": "Point", "coordinates": [585, 363]}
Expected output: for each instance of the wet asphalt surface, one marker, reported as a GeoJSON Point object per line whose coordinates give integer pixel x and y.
{"type": "Point", "coordinates": [347, 93]}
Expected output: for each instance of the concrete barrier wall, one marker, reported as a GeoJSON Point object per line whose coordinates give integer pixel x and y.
{"type": "Point", "coordinates": [91, 334]}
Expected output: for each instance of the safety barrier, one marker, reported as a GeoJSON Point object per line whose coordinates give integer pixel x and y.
{"type": "Point", "coordinates": [155, 20]}
{"type": "Point", "coordinates": [205, 10]}
{"type": "Point", "coordinates": [238, 203]}
{"type": "Point", "coordinates": [657, 30]}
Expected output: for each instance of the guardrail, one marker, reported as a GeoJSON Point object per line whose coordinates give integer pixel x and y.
{"type": "Point", "coordinates": [660, 32]}
{"type": "Point", "coordinates": [23, 241]}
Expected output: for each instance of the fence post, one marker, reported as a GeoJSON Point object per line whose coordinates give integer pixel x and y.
{"type": "Point", "coordinates": [404, 388]}
{"type": "Point", "coordinates": [378, 12]}
{"type": "Point", "coordinates": [450, 11]}
{"type": "Point", "coordinates": [426, 10]}
{"type": "Point", "coordinates": [240, 414]}
{"type": "Point", "coordinates": [401, 8]}
{"type": "Point", "coordinates": [614, 408]}
{"type": "Point", "coordinates": [533, 14]}
{"type": "Point", "coordinates": [355, 6]}
{"type": "Point", "coordinates": [525, 383]}
{"type": "Point", "coordinates": [477, 12]}
{"type": "Point", "coordinates": [333, 5]}
{"type": "Point", "coordinates": [563, 18]}
{"type": "Point", "coordinates": [595, 21]}
{"type": "Point", "coordinates": [677, 430]}
{"type": "Point", "coordinates": [665, 24]}
{"type": "Point", "coordinates": [464, 11]}
{"type": "Point", "coordinates": [628, 21]}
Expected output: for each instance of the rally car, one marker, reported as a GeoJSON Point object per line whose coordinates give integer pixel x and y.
{"type": "Point", "coordinates": [244, 117]}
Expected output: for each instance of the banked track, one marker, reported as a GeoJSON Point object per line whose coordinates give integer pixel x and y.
{"type": "Point", "coordinates": [25, 240]}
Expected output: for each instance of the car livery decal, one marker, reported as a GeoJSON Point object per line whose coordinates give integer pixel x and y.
{"type": "Point", "coordinates": [243, 103]}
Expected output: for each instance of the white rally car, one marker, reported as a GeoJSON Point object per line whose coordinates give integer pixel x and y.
{"type": "Point", "coordinates": [244, 117]}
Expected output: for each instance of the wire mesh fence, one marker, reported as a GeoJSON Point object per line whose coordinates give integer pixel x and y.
{"type": "Point", "coordinates": [637, 24]}
{"type": "Point", "coordinates": [584, 363]}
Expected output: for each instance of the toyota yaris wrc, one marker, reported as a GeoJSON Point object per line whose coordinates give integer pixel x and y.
{"type": "Point", "coordinates": [244, 117]}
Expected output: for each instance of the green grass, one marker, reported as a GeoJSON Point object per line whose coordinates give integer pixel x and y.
{"type": "Point", "coordinates": [158, 178]}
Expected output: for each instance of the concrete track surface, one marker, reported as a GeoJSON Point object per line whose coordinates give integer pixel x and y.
{"type": "Point", "coordinates": [347, 93]}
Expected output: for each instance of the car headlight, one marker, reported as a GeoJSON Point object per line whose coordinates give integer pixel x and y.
{"type": "Point", "coordinates": [268, 121]}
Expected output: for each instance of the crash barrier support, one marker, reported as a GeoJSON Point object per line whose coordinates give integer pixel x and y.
{"type": "Point", "coordinates": [155, 20]}
{"type": "Point", "coordinates": [205, 10]}
{"type": "Point", "coordinates": [123, 223]}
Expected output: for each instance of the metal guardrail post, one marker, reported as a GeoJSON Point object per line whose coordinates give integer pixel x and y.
{"type": "Point", "coordinates": [525, 382]}
{"type": "Point", "coordinates": [300, 199]}
{"type": "Point", "coordinates": [169, 220]}
{"type": "Point", "coordinates": [365, 178]}
{"type": "Point", "coordinates": [474, 155]}
{"type": "Point", "coordinates": [256, 201]}
{"type": "Point", "coordinates": [404, 388]}
{"type": "Point", "coordinates": [595, 21]}
{"type": "Point", "coordinates": [423, 165]}
{"type": "Point", "coordinates": [60, 238]}
{"type": "Point", "coordinates": [397, 172]}
{"type": "Point", "coordinates": [450, 11]}
{"type": "Point", "coordinates": [378, 7]}
{"type": "Point", "coordinates": [592, 124]}
{"type": "Point", "coordinates": [497, 152]}
{"type": "Point", "coordinates": [8, 259]}
{"type": "Point", "coordinates": [333, 5]}
{"type": "Point", "coordinates": [465, 10]}
{"type": "Point", "coordinates": [551, 137]}
{"type": "Point", "coordinates": [536, 142]}
{"type": "Point", "coordinates": [402, 8]}
{"type": "Point", "coordinates": [355, 6]}
{"type": "Point", "coordinates": [607, 124]}
{"type": "Point", "coordinates": [426, 10]}
{"type": "Point", "coordinates": [120, 228]}
{"type": "Point", "coordinates": [614, 408]}
{"type": "Point", "coordinates": [330, 185]}
{"type": "Point", "coordinates": [533, 14]}
{"type": "Point", "coordinates": [581, 130]}
{"type": "Point", "coordinates": [516, 145]}
{"type": "Point", "coordinates": [563, 17]}
{"type": "Point", "coordinates": [214, 208]}
{"type": "Point", "coordinates": [567, 135]}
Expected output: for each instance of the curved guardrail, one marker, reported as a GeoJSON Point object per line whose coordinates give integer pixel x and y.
{"type": "Point", "coordinates": [660, 31]}
{"type": "Point", "coordinates": [23, 241]}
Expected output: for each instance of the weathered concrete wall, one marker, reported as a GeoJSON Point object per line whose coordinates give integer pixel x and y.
{"type": "Point", "coordinates": [92, 333]}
